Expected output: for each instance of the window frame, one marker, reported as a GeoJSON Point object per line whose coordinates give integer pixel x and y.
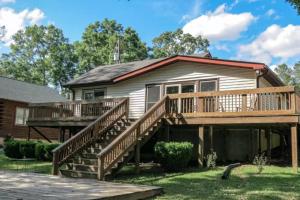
{"type": "Point", "coordinates": [209, 80]}
{"type": "Point", "coordinates": [25, 115]}
{"type": "Point", "coordinates": [92, 90]}
{"type": "Point", "coordinates": [146, 94]}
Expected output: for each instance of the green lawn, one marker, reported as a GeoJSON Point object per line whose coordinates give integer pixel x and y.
{"type": "Point", "coordinates": [24, 166]}
{"type": "Point", "coordinates": [244, 183]}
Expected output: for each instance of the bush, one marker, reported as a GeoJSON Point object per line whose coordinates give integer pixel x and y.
{"type": "Point", "coordinates": [27, 149]}
{"type": "Point", "coordinates": [173, 156]}
{"type": "Point", "coordinates": [260, 161]}
{"type": "Point", "coordinates": [43, 151]}
{"type": "Point", "coordinates": [40, 151]}
{"type": "Point", "coordinates": [48, 151]}
{"type": "Point", "coordinates": [12, 149]}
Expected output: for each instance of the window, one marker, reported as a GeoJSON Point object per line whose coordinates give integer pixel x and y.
{"type": "Point", "coordinates": [152, 95]}
{"type": "Point", "coordinates": [207, 86]}
{"type": "Point", "coordinates": [94, 94]}
{"type": "Point", "coordinates": [21, 116]}
{"type": "Point", "coordinates": [172, 89]}
{"type": "Point", "coordinates": [188, 88]}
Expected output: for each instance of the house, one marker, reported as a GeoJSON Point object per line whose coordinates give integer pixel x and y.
{"type": "Point", "coordinates": [237, 109]}
{"type": "Point", "coordinates": [14, 99]}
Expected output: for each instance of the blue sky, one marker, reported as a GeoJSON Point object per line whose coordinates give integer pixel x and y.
{"type": "Point", "coordinates": [257, 30]}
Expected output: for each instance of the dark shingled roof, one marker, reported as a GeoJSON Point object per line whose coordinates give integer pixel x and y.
{"type": "Point", "coordinates": [15, 90]}
{"type": "Point", "coordinates": [106, 73]}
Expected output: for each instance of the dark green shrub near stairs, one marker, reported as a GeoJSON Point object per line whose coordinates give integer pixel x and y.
{"type": "Point", "coordinates": [29, 149]}
{"type": "Point", "coordinates": [12, 149]}
{"type": "Point", "coordinates": [173, 156]}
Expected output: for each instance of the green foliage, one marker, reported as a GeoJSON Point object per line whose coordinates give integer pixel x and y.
{"type": "Point", "coordinates": [260, 162]}
{"type": "Point", "coordinates": [173, 156]}
{"type": "Point", "coordinates": [48, 151]}
{"type": "Point", "coordinates": [99, 41]}
{"type": "Point", "coordinates": [295, 4]}
{"type": "Point", "coordinates": [27, 148]}
{"type": "Point", "coordinates": [172, 43]}
{"type": "Point", "coordinates": [43, 151]}
{"type": "Point", "coordinates": [285, 73]}
{"type": "Point", "coordinates": [41, 55]}
{"type": "Point", "coordinates": [12, 149]}
{"type": "Point", "coordinates": [40, 151]}
{"type": "Point", "coordinates": [211, 159]}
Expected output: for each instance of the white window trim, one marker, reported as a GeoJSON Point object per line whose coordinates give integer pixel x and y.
{"type": "Point", "coordinates": [24, 120]}
{"type": "Point", "coordinates": [93, 91]}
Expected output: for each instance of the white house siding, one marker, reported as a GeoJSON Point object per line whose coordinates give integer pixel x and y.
{"type": "Point", "coordinates": [230, 78]}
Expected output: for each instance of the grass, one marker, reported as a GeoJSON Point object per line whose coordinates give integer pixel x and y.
{"type": "Point", "coordinates": [24, 166]}
{"type": "Point", "coordinates": [244, 183]}
{"type": "Point", "coordinates": [273, 183]}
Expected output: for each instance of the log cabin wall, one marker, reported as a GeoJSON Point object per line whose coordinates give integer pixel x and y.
{"type": "Point", "coordinates": [8, 126]}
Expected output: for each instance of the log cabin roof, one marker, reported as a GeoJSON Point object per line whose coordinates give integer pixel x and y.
{"type": "Point", "coordinates": [11, 89]}
{"type": "Point", "coordinates": [109, 74]}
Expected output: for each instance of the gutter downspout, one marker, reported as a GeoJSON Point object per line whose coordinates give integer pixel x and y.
{"type": "Point", "coordinates": [259, 74]}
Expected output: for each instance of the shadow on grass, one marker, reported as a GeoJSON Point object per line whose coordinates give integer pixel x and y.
{"type": "Point", "coordinates": [207, 184]}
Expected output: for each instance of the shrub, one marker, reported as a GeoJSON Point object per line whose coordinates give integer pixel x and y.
{"type": "Point", "coordinates": [48, 151]}
{"type": "Point", "coordinates": [211, 160]}
{"type": "Point", "coordinates": [260, 161]}
{"type": "Point", "coordinates": [40, 151]}
{"type": "Point", "coordinates": [173, 156]}
{"type": "Point", "coordinates": [27, 149]}
{"type": "Point", "coordinates": [12, 149]}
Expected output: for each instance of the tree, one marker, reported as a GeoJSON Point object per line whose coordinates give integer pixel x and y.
{"type": "Point", "coordinates": [296, 73]}
{"type": "Point", "coordinates": [173, 43]}
{"type": "Point", "coordinates": [99, 41]}
{"type": "Point", "coordinates": [295, 4]}
{"type": "Point", "coordinates": [285, 74]}
{"type": "Point", "coordinates": [41, 55]}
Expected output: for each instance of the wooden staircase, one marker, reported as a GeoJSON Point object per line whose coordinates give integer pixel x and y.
{"type": "Point", "coordinates": [107, 144]}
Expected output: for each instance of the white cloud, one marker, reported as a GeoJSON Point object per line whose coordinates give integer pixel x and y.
{"type": "Point", "coordinates": [194, 12]}
{"type": "Point", "coordinates": [275, 42]}
{"type": "Point", "coordinates": [270, 12]}
{"type": "Point", "coordinates": [219, 25]}
{"type": "Point", "coordinates": [222, 47]}
{"type": "Point", "coordinates": [15, 21]}
{"type": "Point", "coordinates": [7, 1]}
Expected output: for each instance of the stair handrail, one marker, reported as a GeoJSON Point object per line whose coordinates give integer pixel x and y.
{"type": "Point", "coordinates": [89, 134]}
{"type": "Point", "coordinates": [110, 155]}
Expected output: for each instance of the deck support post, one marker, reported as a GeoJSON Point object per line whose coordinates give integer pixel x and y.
{"type": "Point", "coordinates": [201, 146]}
{"type": "Point", "coordinates": [294, 147]}
{"type": "Point", "coordinates": [28, 134]}
{"type": "Point", "coordinates": [269, 144]}
{"type": "Point", "coordinates": [100, 174]}
{"type": "Point", "coordinates": [167, 132]}
{"type": "Point", "coordinates": [137, 156]}
{"type": "Point", "coordinates": [211, 139]}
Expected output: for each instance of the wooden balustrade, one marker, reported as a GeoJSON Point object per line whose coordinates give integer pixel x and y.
{"type": "Point", "coordinates": [110, 155]}
{"type": "Point", "coordinates": [70, 109]}
{"type": "Point", "coordinates": [89, 134]}
{"type": "Point", "coordinates": [272, 100]}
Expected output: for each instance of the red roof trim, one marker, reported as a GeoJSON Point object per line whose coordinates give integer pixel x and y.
{"type": "Point", "coordinates": [171, 60]}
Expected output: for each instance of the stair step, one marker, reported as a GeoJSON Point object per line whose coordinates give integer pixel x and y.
{"type": "Point", "coordinates": [84, 161]}
{"type": "Point", "coordinates": [92, 150]}
{"type": "Point", "coordinates": [81, 167]}
{"type": "Point", "coordinates": [87, 155]}
{"type": "Point", "coordinates": [78, 174]}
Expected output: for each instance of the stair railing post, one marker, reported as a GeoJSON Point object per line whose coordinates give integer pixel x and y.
{"type": "Point", "coordinates": [137, 149]}
{"type": "Point", "coordinates": [100, 174]}
{"type": "Point", "coordinates": [55, 164]}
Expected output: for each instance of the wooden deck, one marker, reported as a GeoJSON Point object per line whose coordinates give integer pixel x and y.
{"type": "Point", "coordinates": [251, 106]}
{"type": "Point", "coordinates": [36, 186]}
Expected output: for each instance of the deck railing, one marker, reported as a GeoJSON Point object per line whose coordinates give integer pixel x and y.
{"type": "Point", "coordinates": [70, 109]}
{"type": "Point", "coordinates": [261, 101]}
{"type": "Point", "coordinates": [111, 154]}
{"type": "Point", "coordinates": [89, 134]}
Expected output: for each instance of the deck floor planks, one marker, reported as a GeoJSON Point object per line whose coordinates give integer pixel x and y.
{"type": "Point", "coordinates": [30, 186]}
